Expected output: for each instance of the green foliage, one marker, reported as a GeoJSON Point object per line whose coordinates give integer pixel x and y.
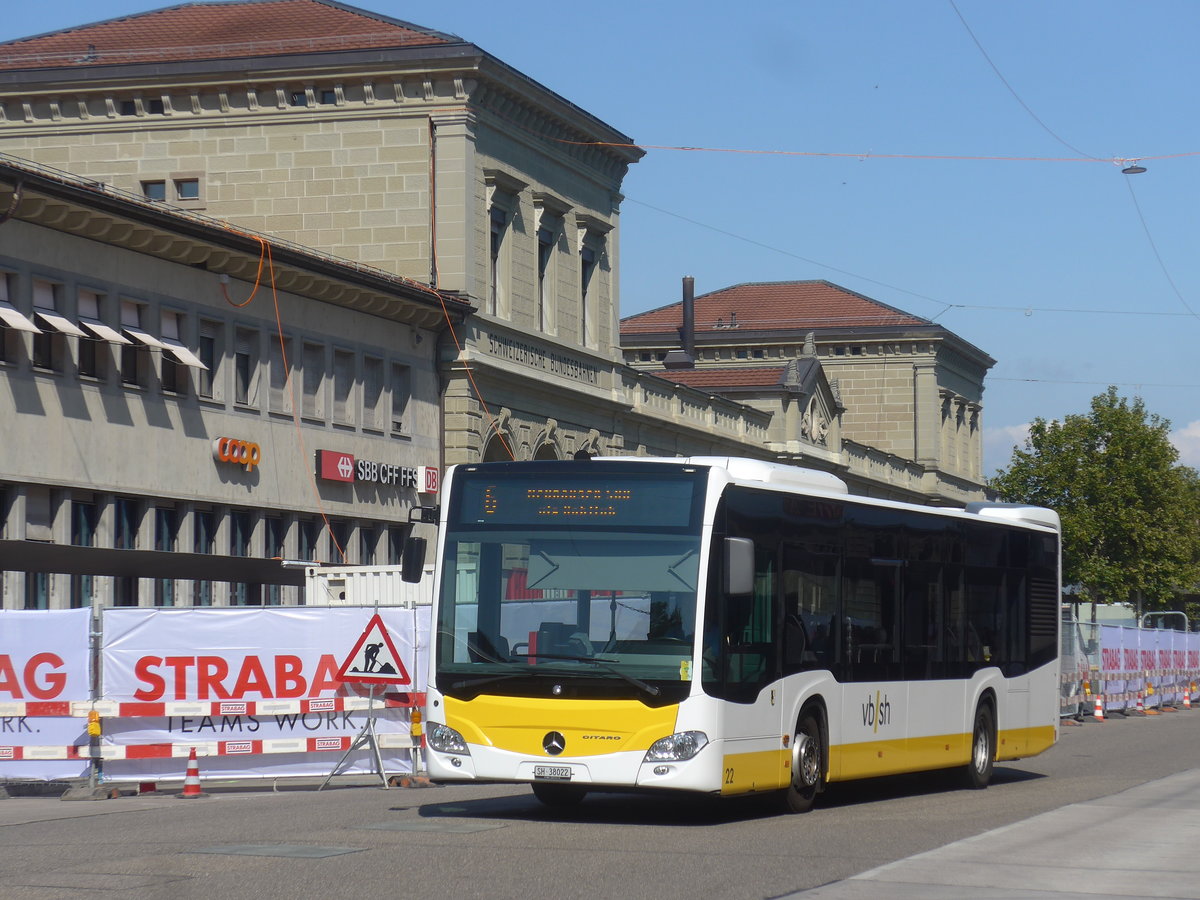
{"type": "Point", "coordinates": [1130, 514]}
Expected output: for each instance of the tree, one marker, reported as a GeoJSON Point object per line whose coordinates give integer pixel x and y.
{"type": "Point", "coordinates": [1130, 514]}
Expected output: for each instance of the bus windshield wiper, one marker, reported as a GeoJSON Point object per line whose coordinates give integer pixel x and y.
{"type": "Point", "coordinates": [636, 682]}
{"type": "Point", "coordinates": [459, 685]}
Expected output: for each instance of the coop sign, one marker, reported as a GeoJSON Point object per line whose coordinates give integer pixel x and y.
{"type": "Point", "coordinates": [234, 450]}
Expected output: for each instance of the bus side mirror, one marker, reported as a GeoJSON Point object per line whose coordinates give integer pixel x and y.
{"type": "Point", "coordinates": [739, 566]}
{"type": "Point", "coordinates": [412, 560]}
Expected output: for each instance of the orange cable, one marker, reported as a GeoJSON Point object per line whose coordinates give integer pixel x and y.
{"type": "Point", "coordinates": [295, 407]}
{"type": "Point", "coordinates": [257, 275]}
{"type": "Point", "coordinates": [435, 290]}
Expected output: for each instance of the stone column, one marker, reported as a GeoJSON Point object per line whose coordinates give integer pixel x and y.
{"type": "Point", "coordinates": [456, 213]}
{"type": "Point", "coordinates": [927, 414]}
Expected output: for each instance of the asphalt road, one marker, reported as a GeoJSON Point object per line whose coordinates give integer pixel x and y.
{"type": "Point", "coordinates": [498, 842]}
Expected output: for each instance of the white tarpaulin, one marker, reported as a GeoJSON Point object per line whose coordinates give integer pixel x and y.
{"type": "Point", "coordinates": [43, 659]}
{"type": "Point", "coordinates": [258, 656]}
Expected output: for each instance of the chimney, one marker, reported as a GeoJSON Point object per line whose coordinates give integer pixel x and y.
{"type": "Point", "coordinates": [685, 358]}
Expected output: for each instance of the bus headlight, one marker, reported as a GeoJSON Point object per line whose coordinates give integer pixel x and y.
{"type": "Point", "coordinates": [446, 740]}
{"type": "Point", "coordinates": [677, 747]}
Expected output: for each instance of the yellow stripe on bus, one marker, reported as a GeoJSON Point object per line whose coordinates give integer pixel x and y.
{"type": "Point", "coordinates": [590, 727]}
{"type": "Point", "coordinates": [872, 758]}
{"type": "Point", "coordinates": [765, 770]}
{"type": "Point", "coordinates": [1016, 743]}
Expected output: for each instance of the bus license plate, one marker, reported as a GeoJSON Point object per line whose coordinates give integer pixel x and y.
{"type": "Point", "coordinates": [552, 773]}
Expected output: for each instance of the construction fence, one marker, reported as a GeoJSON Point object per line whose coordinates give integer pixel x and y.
{"type": "Point", "coordinates": [1119, 669]}
{"type": "Point", "coordinates": [125, 694]}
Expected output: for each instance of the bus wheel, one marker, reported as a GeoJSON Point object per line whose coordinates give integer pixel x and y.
{"type": "Point", "coordinates": [808, 765]}
{"type": "Point", "coordinates": [558, 795]}
{"type": "Point", "coordinates": [983, 749]}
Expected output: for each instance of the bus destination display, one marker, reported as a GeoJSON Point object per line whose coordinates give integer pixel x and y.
{"type": "Point", "coordinates": [559, 501]}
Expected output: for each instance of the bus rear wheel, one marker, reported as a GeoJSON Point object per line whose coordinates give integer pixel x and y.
{"type": "Point", "coordinates": [559, 796]}
{"type": "Point", "coordinates": [808, 765]}
{"type": "Point", "coordinates": [983, 749]}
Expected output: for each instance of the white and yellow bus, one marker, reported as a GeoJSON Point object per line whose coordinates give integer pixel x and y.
{"type": "Point", "coordinates": [730, 626]}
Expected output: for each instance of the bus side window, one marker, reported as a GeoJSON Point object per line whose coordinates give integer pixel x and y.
{"type": "Point", "coordinates": [810, 608]}
{"type": "Point", "coordinates": [924, 631]}
{"type": "Point", "coordinates": [740, 635]}
{"type": "Point", "coordinates": [871, 591]}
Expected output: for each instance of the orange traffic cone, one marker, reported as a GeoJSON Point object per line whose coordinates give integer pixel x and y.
{"type": "Point", "coordinates": [191, 783]}
{"type": "Point", "coordinates": [1187, 699]}
{"type": "Point", "coordinates": [1099, 708]}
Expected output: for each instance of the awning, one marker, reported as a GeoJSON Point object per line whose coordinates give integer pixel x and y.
{"type": "Point", "coordinates": [182, 354]}
{"type": "Point", "coordinates": [104, 332]}
{"type": "Point", "coordinates": [60, 324]}
{"type": "Point", "coordinates": [14, 318]}
{"type": "Point", "coordinates": [144, 337]}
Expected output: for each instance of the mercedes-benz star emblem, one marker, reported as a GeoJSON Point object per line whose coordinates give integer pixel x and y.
{"type": "Point", "coordinates": [554, 743]}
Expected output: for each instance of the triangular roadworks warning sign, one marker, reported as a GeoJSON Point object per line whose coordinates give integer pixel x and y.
{"type": "Point", "coordinates": [374, 659]}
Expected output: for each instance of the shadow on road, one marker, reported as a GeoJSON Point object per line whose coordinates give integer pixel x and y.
{"type": "Point", "coordinates": [703, 811]}
{"type": "Point", "coordinates": [870, 790]}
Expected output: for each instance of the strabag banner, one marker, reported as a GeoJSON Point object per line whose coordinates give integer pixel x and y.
{"type": "Point", "coordinates": [1159, 664]}
{"type": "Point", "coordinates": [254, 674]}
{"type": "Point", "coordinates": [43, 658]}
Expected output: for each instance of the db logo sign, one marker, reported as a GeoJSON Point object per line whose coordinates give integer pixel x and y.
{"type": "Point", "coordinates": [242, 453]}
{"type": "Point", "coordinates": [428, 479]}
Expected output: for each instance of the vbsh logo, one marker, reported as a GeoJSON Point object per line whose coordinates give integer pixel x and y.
{"type": "Point", "coordinates": [877, 711]}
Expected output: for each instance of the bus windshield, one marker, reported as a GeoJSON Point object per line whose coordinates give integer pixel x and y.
{"type": "Point", "coordinates": [587, 580]}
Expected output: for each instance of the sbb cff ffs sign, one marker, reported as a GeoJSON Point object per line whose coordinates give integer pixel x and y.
{"type": "Point", "coordinates": [334, 465]}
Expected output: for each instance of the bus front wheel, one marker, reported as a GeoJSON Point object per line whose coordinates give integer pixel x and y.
{"type": "Point", "coordinates": [808, 765]}
{"type": "Point", "coordinates": [983, 749]}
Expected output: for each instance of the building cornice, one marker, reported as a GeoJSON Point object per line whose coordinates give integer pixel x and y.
{"type": "Point", "coordinates": [43, 197]}
{"type": "Point", "coordinates": [409, 77]}
{"type": "Point", "coordinates": [668, 338]}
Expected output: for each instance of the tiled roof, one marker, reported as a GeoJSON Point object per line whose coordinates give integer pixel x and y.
{"type": "Point", "coordinates": [711, 379]}
{"type": "Point", "coordinates": [774, 306]}
{"type": "Point", "coordinates": [216, 30]}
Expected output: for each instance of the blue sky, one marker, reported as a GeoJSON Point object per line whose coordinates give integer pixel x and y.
{"type": "Point", "coordinates": [973, 173]}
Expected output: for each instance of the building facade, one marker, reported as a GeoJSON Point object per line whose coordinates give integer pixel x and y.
{"type": "Point", "coordinates": [902, 416]}
{"type": "Point", "coordinates": [445, 233]}
{"type": "Point", "coordinates": [204, 402]}
{"type": "Point", "coordinates": [377, 141]}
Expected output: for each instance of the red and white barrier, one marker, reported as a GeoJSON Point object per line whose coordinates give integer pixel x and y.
{"type": "Point", "coordinates": [258, 692]}
{"type": "Point", "coordinates": [110, 709]}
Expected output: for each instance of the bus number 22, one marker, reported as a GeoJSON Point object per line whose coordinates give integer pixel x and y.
{"type": "Point", "coordinates": [729, 776]}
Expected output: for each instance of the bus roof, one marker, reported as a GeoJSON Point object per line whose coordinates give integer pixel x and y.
{"type": "Point", "coordinates": [741, 470]}
{"type": "Point", "coordinates": [1017, 512]}
{"type": "Point", "coordinates": [757, 471]}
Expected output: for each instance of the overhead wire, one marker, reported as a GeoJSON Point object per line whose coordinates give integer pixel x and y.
{"type": "Point", "coordinates": [1154, 248]}
{"type": "Point", "coordinates": [1025, 106]}
{"type": "Point", "coordinates": [1132, 384]}
{"type": "Point", "coordinates": [1129, 184]}
{"type": "Point", "coordinates": [870, 154]}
